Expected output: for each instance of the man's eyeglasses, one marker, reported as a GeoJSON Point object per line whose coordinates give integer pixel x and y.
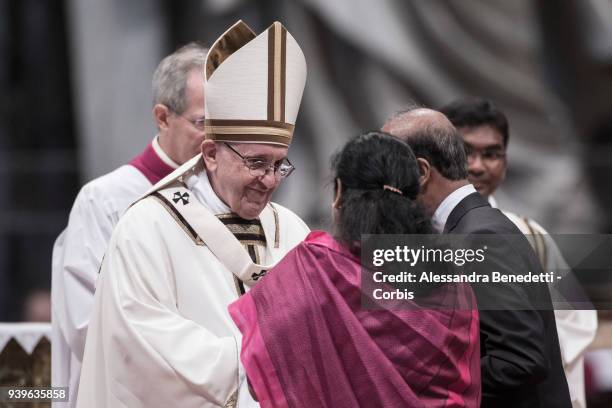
{"type": "Point", "coordinates": [199, 123]}
{"type": "Point", "coordinates": [490, 155]}
{"type": "Point", "coordinates": [259, 168]}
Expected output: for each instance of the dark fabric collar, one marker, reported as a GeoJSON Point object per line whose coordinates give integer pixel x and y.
{"type": "Point", "coordinates": [470, 202]}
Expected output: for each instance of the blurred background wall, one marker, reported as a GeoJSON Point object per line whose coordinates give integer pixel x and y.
{"type": "Point", "coordinates": [75, 98]}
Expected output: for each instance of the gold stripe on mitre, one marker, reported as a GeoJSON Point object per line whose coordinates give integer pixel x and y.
{"type": "Point", "coordinates": [231, 41]}
{"type": "Point", "coordinates": [253, 131]}
{"type": "Point", "coordinates": [277, 64]}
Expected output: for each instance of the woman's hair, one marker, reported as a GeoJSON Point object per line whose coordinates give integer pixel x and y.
{"type": "Point", "coordinates": [370, 167]}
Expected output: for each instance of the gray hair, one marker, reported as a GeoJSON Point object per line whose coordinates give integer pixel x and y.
{"type": "Point", "coordinates": [170, 77]}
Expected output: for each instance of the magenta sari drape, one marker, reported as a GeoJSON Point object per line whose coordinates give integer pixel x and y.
{"type": "Point", "coordinates": [308, 343]}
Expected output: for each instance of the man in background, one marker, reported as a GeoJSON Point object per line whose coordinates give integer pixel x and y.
{"type": "Point", "coordinates": [485, 132]}
{"type": "Point", "coordinates": [178, 111]}
{"type": "Point", "coordinates": [520, 358]}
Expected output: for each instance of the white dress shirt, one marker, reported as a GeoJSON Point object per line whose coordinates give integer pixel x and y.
{"type": "Point", "coordinates": [440, 216]}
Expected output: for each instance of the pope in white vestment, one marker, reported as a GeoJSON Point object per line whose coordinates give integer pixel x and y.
{"type": "Point", "coordinates": [160, 333]}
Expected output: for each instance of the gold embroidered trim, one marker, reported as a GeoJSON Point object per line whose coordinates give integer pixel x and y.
{"type": "Point", "coordinates": [248, 130]}
{"type": "Point", "coordinates": [249, 123]}
{"type": "Point", "coordinates": [245, 229]}
{"type": "Point", "coordinates": [277, 70]}
{"type": "Point", "coordinates": [252, 242]}
{"type": "Point", "coordinates": [238, 285]}
{"type": "Point", "coordinates": [226, 215]}
{"type": "Point", "coordinates": [277, 60]}
{"type": "Point", "coordinates": [232, 402]}
{"type": "Point", "coordinates": [181, 222]}
{"type": "Point", "coordinates": [251, 138]}
{"type": "Point", "coordinates": [257, 254]}
{"type": "Point", "coordinates": [276, 227]}
{"type": "Point", "coordinates": [539, 244]}
{"type": "Point", "coordinates": [283, 73]}
{"type": "Point", "coordinates": [231, 41]}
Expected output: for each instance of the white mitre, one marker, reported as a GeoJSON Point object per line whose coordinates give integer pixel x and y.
{"type": "Point", "coordinates": [254, 85]}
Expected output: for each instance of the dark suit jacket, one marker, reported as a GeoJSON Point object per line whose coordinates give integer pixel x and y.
{"type": "Point", "coordinates": [520, 356]}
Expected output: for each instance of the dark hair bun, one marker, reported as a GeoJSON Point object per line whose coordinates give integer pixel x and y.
{"type": "Point", "coordinates": [364, 166]}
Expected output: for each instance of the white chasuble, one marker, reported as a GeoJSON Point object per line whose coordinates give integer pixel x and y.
{"type": "Point", "coordinates": [160, 334]}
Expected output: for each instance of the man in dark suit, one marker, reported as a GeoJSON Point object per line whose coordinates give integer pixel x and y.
{"type": "Point", "coordinates": [520, 357]}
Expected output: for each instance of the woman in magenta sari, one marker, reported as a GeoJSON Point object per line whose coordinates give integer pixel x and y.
{"type": "Point", "coordinates": [307, 342]}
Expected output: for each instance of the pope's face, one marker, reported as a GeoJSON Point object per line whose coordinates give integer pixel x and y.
{"type": "Point", "coordinates": [486, 157]}
{"type": "Point", "coordinates": [244, 193]}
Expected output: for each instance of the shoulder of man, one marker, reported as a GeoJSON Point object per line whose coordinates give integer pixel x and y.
{"type": "Point", "coordinates": [492, 221]}
{"type": "Point", "coordinates": [124, 179]}
{"type": "Point", "coordinates": [485, 220]}
{"type": "Point", "coordinates": [122, 185]}
{"type": "Point", "coordinates": [144, 218]}
{"type": "Point", "coordinates": [103, 199]}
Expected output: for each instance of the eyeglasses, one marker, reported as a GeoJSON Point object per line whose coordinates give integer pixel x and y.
{"type": "Point", "coordinates": [199, 123]}
{"type": "Point", "coordinates": [490, 155]}
{"type": "Point", "coordinates": [259, 168]}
